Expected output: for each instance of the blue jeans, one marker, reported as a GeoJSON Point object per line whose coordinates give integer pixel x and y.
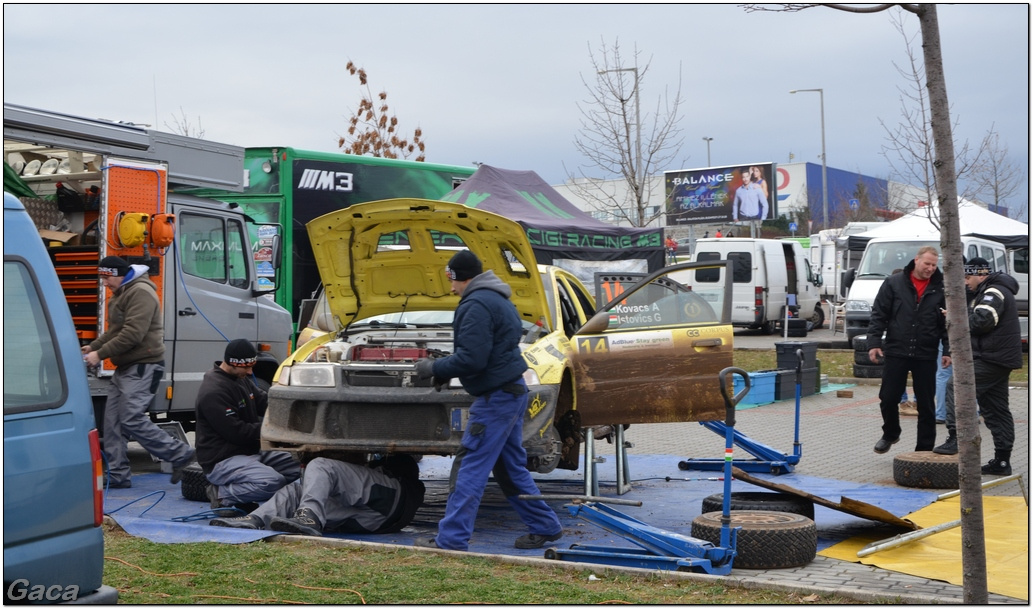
{"type": "Point", "coordinates": [492, 442]}
{"type": "Point", "coordinates": [943, 376]}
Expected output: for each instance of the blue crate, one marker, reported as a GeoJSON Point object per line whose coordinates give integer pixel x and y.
{"type": "Point", "coordinates": [762, 387]}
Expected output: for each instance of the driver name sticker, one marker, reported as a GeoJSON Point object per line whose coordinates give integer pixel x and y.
{"type": "Point", "coordinates": [631, 341]}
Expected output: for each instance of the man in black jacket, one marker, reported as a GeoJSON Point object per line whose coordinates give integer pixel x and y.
{"type": "Point", "coordinates": [909, 308]}
{"type": "Point", "coordinates": [229, 412]}
{"type": "Point", "coordinates": [993, 321]}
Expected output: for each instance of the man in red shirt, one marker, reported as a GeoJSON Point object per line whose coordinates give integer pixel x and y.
{"type": "Point", "coordinates": [908, 309]}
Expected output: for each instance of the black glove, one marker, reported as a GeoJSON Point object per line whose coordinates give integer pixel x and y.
{"type": "Point", "coordinates": [425, 368]}
{"type": "Point", "coordinates": [439, 383]}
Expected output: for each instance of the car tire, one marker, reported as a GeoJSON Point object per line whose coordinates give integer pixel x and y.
{"type": "Point", "coordinates": [860, 343]}
{"type": "Point", "coordinates": [763, 501]}
{"type": "Point", "coordinates": [862, 358]}
{"type": "Point", "coordinates": [194, 484]}
{"type": "Point", "coordinates": [818, 317]}
{"type": "Point", "coordinates": [768, 328]}
{"type": "Point", "coordinates": [925, 470]}
{"type": "Point", "coordinates": [767, 540]}
{"type": "Point", "coordinates": [868, 371]}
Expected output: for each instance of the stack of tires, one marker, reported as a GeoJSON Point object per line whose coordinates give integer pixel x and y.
{"type": "Point", "coordinates": [777, 529]}
{"type": "Point", "coordinates": [863, 366]}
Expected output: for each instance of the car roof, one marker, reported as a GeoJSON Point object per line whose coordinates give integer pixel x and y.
{"type": "Point", "coordinates": [389, 256]}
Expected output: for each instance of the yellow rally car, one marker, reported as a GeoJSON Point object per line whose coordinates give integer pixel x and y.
{"type": "Point", "coordinates": [650, 355]}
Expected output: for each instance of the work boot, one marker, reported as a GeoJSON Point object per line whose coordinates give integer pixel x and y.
{"type": "Point", "coordinates": [534, 540]}
{"type": "Point", "coordinates": [239, 522]}
{"type": "Point", "coordinates": [950, 447]}
{"type": "Point", "coordinates": [884, 444]}
{"type": "Point", "coordinates": [997, 467]}
{"type": "Point", "coordinates": [303, 523]}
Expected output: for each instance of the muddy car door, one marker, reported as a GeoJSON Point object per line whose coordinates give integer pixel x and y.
{"type": "Point", "coordinates": [652, 354]}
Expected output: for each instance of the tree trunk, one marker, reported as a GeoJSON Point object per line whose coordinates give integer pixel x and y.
{"type": "Point", "coordinates": [973, 545]}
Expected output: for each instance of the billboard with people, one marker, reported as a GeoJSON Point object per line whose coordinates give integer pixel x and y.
{"type": "Point", "coordinates": [736, 193]}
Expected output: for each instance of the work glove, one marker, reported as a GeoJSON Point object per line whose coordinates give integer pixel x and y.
{"type": "Point", "coordinates": [439, 383]}
{"type": "Point", "coordinates": [425, 368]}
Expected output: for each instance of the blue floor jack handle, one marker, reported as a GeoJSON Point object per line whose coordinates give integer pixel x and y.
{"type": "Point", "coordinates": [659, 548]}
{"type": "Point", "coordinates": [767, 459]}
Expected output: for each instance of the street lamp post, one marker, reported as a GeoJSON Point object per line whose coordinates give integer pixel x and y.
{"type": "Point", "coordinates": [824, 171]}
{"type": "Point", "coordinates": [638, 133]}
{"type": "Point", "coordinates": [708, 140]}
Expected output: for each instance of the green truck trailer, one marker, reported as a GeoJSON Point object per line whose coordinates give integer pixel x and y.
{"type": "Point", "coordinates": [285, 188]}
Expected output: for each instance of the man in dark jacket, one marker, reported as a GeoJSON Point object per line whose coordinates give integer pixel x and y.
{"type": "Point", "coordinates": [340, 497]}
{"type": "Point", "coordinates": [135, 344]}
{"type": "Point", "coordinates": [909, 309]}
{"type": "Point", "coordinates": [229, 411]}
{"type": "Point", "coordinates": [993, 321]}
{"type": "Point", "coordinates": [488, 362]}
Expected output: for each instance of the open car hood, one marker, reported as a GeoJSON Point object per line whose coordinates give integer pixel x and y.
{"type": "Point", "coordinates": [390, 256]}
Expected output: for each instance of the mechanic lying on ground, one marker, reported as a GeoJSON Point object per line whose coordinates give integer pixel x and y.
{"type": "Point", "coordinates": [340, 497]}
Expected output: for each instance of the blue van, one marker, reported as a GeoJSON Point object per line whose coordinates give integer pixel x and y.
{"type": "Point", "coordinates": [53, 470]}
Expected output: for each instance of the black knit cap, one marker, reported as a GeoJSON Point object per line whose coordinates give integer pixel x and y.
{"type": "Point", "coordinates": [464, 265]}
{"type": "Point", "coordinates": [240, 353]}
{"type": "Point", "coordinates": [112, 266]}
{"type": "Point", "coordinates": [977, 266]}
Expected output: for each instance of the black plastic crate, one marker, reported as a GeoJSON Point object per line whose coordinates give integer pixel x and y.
{"type": "Point", "coordinates": [786, 353]}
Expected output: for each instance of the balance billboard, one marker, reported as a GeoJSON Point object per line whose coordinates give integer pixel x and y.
{"type": "Point", "coordinates": [714, 195]}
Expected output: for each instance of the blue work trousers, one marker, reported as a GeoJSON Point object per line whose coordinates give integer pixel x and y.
{"type": "Point", "coordinates": [492, 443]}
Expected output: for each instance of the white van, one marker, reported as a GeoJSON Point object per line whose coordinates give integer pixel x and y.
{"type": "Point", "coordinates": [766, 273]}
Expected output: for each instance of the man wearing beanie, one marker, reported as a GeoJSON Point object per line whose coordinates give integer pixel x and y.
{"type": "Point", "coordinates": [134, 342]}
{"type": "Point", "coordinates": [229, 412]}
{"type": "Point", "coordinates": [487, 360]}
{"type": "Point", "coordinates": [993, 321]}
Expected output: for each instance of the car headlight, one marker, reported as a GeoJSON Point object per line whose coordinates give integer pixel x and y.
{"type": "Point", "coordinates": [531, 377]}
{"type": "Point", "coordinates": [858, 306]}
{"type": "Point", "coordinates": [309, 375]}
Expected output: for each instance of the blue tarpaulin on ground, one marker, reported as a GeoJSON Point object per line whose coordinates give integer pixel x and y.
{"type": "Point", "coordinates": [156, 510]}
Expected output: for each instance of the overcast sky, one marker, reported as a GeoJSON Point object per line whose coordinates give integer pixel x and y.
{"type": "Point", "coordinates": [500, 84]}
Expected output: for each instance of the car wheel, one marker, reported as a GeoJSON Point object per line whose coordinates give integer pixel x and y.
{"type": "Point", "coordinates": [767, 540]}
{"type": "Point", "coordinates": [860, 342]}
{"type": "Point", "coordinates": [818, 317]}
{"type": "Point", "coordinates": [194, 485]}
{"type": "Point", "coordinates": [868, 371]}
{"type": "Point", "coordinates": [769, 327]}
{"type": "Point", "coordinates": [767, 502]}
{"type": "Point", "coordinates": [925, 470]}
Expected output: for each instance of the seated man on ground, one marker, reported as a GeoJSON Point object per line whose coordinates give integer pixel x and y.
{"type": "Point", "coordinates": [229, 412]}
{"type": "Point", "coordinates": [340, 497]}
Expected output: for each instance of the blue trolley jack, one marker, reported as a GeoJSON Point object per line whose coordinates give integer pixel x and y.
{"type": "Point", "coordinates": [659, 548]}
{"type": "Point", "coordinates": [768, 459]}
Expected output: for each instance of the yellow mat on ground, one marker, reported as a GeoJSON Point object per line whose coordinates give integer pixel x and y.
{"type": "Point", "coordinates": [1006, 524]}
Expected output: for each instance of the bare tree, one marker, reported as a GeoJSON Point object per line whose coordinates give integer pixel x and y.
{"type": "Point", "coordinates": [618, 140]}
{"type": "Point", "coordinates": [996, 176]}
{"type": "Point", "coordinates": [374, 130]}
{"type": "Point", "coordinates": [973, 541]}
{"type": "Point", "coordinates": [910, 143]}
{"type": "Point", "coordinates": [181, 125]}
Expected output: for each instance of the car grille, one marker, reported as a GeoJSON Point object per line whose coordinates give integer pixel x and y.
{"type": "Point", "coordinates": [388, 422]}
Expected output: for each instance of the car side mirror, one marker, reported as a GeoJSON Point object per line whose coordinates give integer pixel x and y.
{"type": "Point", "coordinates": [597, 324]}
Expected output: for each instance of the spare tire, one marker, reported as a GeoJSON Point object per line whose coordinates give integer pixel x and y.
{"type": "Point", "coordinates": [872, 371]}
{"type": "Point", "coordinates": [767, 540]}
{"type": "Point", "coordinates": [194, 484]}
{"type": "Point", "coordinates": [925, 470]}
{"type": "Point", "coordinates": [762, 501]}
